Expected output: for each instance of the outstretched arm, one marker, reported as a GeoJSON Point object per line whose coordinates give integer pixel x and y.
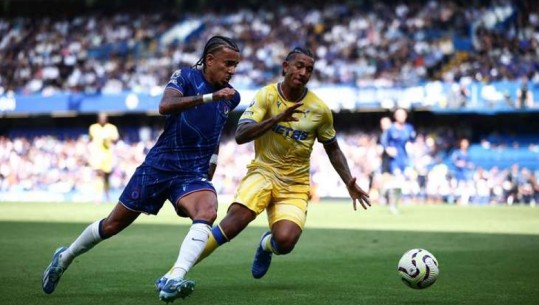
{"type": "Point", "coordinates": [173, 101]}
{"type": "Point", "coordinates": [249, 131]}
{"type": "Point", "coordinates": [341, 166]}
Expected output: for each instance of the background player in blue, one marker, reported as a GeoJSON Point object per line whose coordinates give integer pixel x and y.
{"type": "Point", "coordinates": [462, 167]}
{"type": "Point", "coordinates": [394, 141]}
{"type": "Point", "coordinates": [196, 103]}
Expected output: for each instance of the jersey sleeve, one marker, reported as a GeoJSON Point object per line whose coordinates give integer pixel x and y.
{"type": "Point", "coordinates": [91, 132]}
{"type": "Point", "coordinates": [114, 134]}
{"type": "Point", "coordinates": [326, 132]}
{"type": "Point", "coordinates": [177, 81]}
{"type": "Point", "coordinates": [384, 138]}
{"type": "Point", "coordinates": [257, 109]}
{"type": "Point", "coordinates": [235, 101]}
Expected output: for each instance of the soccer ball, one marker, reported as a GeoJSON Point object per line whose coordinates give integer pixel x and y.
{"type": "Point", "coordinates": [418, 268]}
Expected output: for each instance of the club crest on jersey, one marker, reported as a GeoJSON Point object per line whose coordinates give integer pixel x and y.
{"type": "Point", "coordinates": [135, 194]}
{"type": "Point", "coordinates": [174, 78]}
{"type": "Point", "coordinates": [224, 109]}
{"type": "Point", "coordinates": [298, 135]}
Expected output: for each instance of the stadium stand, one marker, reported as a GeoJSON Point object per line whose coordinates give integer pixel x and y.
{"type": "Point", "coordinates": [480, 55]}
{"type": "Point", "coordinates": [402, 43]}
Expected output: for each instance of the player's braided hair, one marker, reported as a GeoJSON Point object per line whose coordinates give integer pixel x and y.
{"type": "Point", "coordinates": [299, 50]}
{"type": "Point", "coordinates": [296, 51]}
{"type": "Point", "coordinates": [214, 44]}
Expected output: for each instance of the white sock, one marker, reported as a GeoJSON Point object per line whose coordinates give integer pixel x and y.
{"type": "Point", "coordinates": [86, 241]}
{"type": "Point", "coordinates": [191, 248]}
{"type": "Point", "coordinates": [266, 243]}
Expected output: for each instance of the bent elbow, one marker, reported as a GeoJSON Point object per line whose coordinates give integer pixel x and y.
{"type": "Point", "coordinates": [241, 137]}
{"type": "Point", "coordinates": [240, 140]}
{"type": "Point", "coordinates": [163, 110]}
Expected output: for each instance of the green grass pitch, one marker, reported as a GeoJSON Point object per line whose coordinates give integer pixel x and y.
{"type": "Point", "coordinates": [487, 255]}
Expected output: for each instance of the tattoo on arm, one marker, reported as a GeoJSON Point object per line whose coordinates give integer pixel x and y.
{"type": "Point", "coordinates": [174, 102]}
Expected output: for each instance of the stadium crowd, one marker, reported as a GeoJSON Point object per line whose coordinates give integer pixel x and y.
{"type": "Point", "coordinates": [47, 165]}
{"type": "Point", "coordinates": [357, 43]}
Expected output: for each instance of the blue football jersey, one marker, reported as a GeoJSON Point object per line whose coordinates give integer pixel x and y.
{"type": "Point", "coordinates": [398, 137]}
{"type": "Point", "coordinates": [191, 136]}
{"type": "Point", "coordinates": [463, 159]}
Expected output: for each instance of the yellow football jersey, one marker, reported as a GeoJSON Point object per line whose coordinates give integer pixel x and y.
{"type": "Point", "coordinates": [102, 138]}
{"type": "Point", "coordinates": [286, 149]}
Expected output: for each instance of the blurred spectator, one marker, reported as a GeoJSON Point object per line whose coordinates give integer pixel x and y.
{"type": "Point", "coordinates": [524, 95]}
{"type": "Point", "coordinates": [511, 184]}
{"type": "Point", "coordinates": [527, 187]}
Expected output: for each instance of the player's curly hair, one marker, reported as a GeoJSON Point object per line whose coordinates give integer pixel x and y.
{"type": "Point", "coordinates": [214, 44]}
{"type": "Point", "coordinates": [296, 51]}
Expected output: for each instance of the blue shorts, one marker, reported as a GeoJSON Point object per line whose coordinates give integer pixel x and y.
{"type": "Point", "coordinates": [149, 188]}
{"type": "Point", "coordinates": [397, 166]}
{"type": "Point", "coordinates": [462, 175]}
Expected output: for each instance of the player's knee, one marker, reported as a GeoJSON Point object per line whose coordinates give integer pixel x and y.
{"type": "Point", "coordinates": [208, 215]}
{"type": "Point", "coordinates": [237, 219]}
{"type": "Point", "coordinates": [241, 213]}
{"type": "Point", "coordinates": [285, 243]}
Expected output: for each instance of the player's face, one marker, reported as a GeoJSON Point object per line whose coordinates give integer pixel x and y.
{"type": "Point", "coordinates": [221, 66]}
{"type": "Point", "coordinates": [400, 115]}
{"type": "Point", "coordinates": [102, 119]}
{"type": "Point", "coordinates": [298, 70]}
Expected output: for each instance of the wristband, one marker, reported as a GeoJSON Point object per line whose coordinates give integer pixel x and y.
{"type": "Point", "coordinates": [207, 98]}
{"type": "Point", "coordinates": [213, 159]}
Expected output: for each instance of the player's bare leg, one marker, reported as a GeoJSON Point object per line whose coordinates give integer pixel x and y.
{"type": "Point", "coordinates": [395, 191]}
{"type": "Point", "coordinates": [106, 186]}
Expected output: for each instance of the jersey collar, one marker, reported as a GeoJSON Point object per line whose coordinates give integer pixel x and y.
{"type": "Point", "coordinates": [284, 98]}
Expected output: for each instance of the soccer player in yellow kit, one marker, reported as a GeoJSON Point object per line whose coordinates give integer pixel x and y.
{"type": "Point", "coordinates": [103, 135]}
{"type": "Point", "coordinates": [284, 120]}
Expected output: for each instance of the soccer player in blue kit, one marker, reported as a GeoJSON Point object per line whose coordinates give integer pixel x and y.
{"type": "Point", "coordinates": [196, 103]}
{"type": "Point", "coordinates": [394, 141]}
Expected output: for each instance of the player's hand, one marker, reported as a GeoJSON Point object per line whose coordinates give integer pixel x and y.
{"type": "Point", "coordinates": [391, 151]}
{"type": "Point", "coordinates": [224, 94]}
{"type": "Point", "coordinates": [358, 194]}
{"type": "Point", "coordinates": [288, 114]}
